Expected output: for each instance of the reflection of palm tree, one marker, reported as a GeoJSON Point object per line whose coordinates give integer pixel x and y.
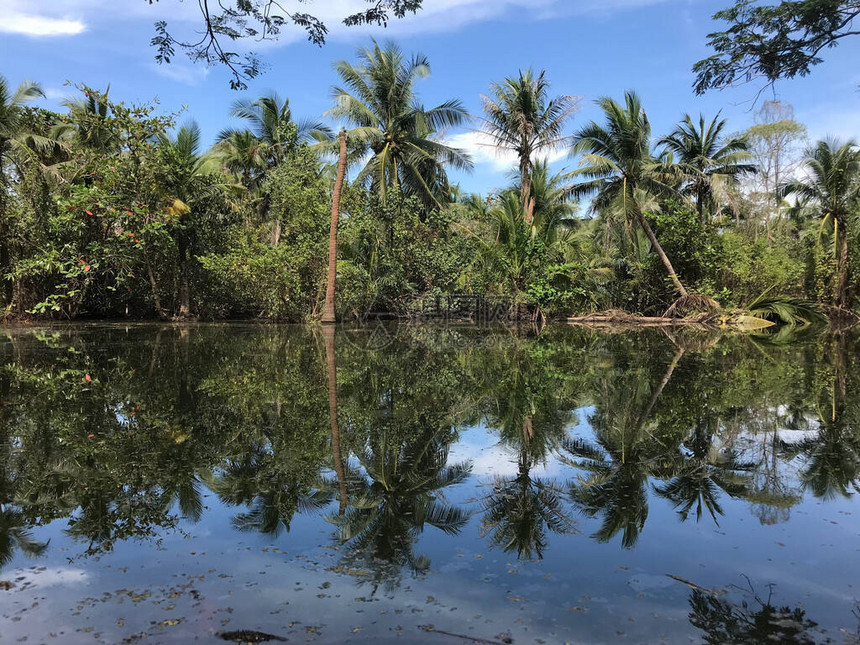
{"type": "Point", "coordinates": [520, 510]}
{"type": "Point", "coordinates": [832, 460]}
{"type": "Point", "coordinates": [701, 473]}
{"type": "Point", "coordinates": [274, 491]}
{"type": "Point", "coordinates": [526, 408]}
{"type": "Point", "coordinates": [623, 455]}
{"type": "Point", "coordinates": [15, 536]}
{"type": "Point", "coordinates": [400, 495]}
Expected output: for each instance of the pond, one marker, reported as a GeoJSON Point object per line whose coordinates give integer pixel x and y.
{"type": "Point", "coordinates": [432, 484]}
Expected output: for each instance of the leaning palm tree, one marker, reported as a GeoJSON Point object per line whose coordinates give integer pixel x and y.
{"type": "Point", "coordinates": [833, 185]}
{"type": "Point", "coordinates": [391, 125]}
{"type": "Point", "coordinates": [11, 131]}
{"type": "Point", "coordinates": [620, 171]}
{"type": "Point", "coordinates": [708, 161]}
{"type": "Point", "coordinates": [521, 117]}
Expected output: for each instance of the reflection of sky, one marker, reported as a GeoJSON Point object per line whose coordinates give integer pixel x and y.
{"type": "Point", "coordinates": [582, 591]}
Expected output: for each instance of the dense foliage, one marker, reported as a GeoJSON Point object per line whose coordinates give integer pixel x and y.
{"type": "Point", "coordinates": [111, 210]}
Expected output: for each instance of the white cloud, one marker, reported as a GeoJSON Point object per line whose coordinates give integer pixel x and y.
{"type": "Point", "coordinates": [436, 16]}
{"type": "Point", "coordinates": [185, 74]}
{"type": "Point", "coordinates": [27, 24]}
{"type": "Point", "coordinates": [480, 146]}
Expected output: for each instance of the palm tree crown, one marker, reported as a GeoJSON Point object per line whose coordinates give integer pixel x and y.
{"type": "Point", "coordinates": [390, 124]}
{"type": "Point", "coordinates": [708, 160]}
{"type": "Point", "coordinates": [521, 117]}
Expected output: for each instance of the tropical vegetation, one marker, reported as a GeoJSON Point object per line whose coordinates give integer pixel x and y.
{"type": "Point", "coordinates": [115, 210]}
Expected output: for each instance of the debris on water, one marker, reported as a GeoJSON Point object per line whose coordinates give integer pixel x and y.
{"type": "Point", "coordinates": [249, 636]}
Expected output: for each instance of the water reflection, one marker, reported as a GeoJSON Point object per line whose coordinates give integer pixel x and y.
{"type": "Point", "coordinates": [121, 432]}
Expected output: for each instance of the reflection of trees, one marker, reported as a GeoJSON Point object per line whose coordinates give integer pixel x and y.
{"type": "Point", "coordinates": [831, 458]}
{"type": "Point", "coordinates": [272, 482]}
{"type": "Point", "coordinates": [526, 404]}
{"type": "Point", "coordinates": [399, 495]}
{"type": "Point", "coordinates": [701, 471]}
{"type": "Point", "coordinates": [625, 452]}
{"type": "Point", "coordinates": [751, 620]}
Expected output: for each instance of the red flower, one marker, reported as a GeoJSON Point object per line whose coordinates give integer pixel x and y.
{"type": "Point", "coordinates": [86, 268]}
{"type": "Point", "coordinates": [88, 378]}
{"type": "Point", "coordinates": [88, 212]}
{"type": "Point", "coordinates": [90, 436]}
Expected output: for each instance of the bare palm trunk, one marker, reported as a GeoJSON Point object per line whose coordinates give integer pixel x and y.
{"type": "Point", "coordinates": [337, 457]}
{"type": "Point", "coordinates": [5, 255]}
{"type": "Point", "coordinates": [276, 232]}
{"type": "Point", "coordinates": [153, 285]}
{"type": "Point", "coordinates": [659, 250]}
{"type": "Point", "coordinates": [526, 189]}
{"type": "Point", "coordinates": [328, 313]}
{"type": "Point", "coordinates": [184, 279]}
{"type": "Point", "coordinates": [842, 296]}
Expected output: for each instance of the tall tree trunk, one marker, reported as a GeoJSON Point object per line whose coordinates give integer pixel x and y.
{"type": "Point", "coordinates": [5, 255]}
{"type": "Point", "coordinates": [153, 285]}
{"type": "Point", "coordinates": [184, 279]}
{"type": "Point", "coordinates": [276, 232]}
{"type": "Point", "coordinates": [337, 456]}
{"type": "Point", "coordinates": [659, 249]}
{"type": "Point", "coordinates": [842, 295]}
{"type": "Point", "coordinates": [328, 312]}
{"type": "Point", "coordinates": [526, 189]}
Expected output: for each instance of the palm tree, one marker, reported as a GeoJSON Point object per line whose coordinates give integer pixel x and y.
{"type": "Point", "coordinates": [522, 118]}
{"type": "Point", "coordinates": [378, 99]}
{"type": "Point", "coordinates": [516, 241]}
{"type": "Point", "coordinates": [620, 170]}
{"type": "Point", "coordinates": [833, 184]}
{"type": "Point", "coordinates": [186, 186]}
{"type": "Point", "coordinates": [272, 124]}
{"type": "Point", "coordinates": [11, 131]}
{"type": "Point", "coordinates": [242, 154]}
{"type": "Point", "coordinates": [331, 277]}
{"type": "Point", "coordinates": [89, 119]}
{"type": "Point", "coordinates": [709, 161]}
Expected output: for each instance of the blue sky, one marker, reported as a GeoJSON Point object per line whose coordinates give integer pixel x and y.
{"type": "Point", "coordinates": [589, 48]}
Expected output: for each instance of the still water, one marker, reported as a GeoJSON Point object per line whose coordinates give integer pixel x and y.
{"type": "Point", "coordinates": [169, 484]}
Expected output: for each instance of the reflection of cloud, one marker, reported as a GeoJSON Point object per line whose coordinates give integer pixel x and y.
{"type": "Point", "coordinates": [27, 24]}
{"type": "Point", "coordinates": [489, 458]}
{"type": "Point", "coordinates": [50, 577]}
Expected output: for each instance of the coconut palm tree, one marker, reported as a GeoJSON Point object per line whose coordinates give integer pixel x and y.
{"type": "Point", "coordinates": [620, 171]}
{"type": "Point", "coordinates": [833, 185]}
{"type": "Point", "coordinates": [89, 115]}
{"type": "Point", "coordinates": [272, 123]}
{"type": "Point", "coordinates": [11, 131]}
{"type": "Point", "coordinates": [389, 123]}
{"type": "Point", "coordinates": [243, 155]}
{"type": "Point", "coordinates": [186, 185]}
{"type": "Point", "coordinates": [520, 117]}
{"type": "Point", "coordinates": [709, 161]}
